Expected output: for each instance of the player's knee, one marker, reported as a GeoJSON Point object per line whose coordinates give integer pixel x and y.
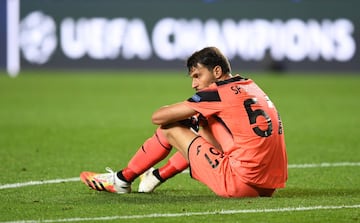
{"type": "Point", "coordinates": [172, 131]}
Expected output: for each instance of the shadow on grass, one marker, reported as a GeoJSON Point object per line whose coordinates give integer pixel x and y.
{"type": "Point", "coordinates": [314, 192]}
{"type": "Point", "coordinates": [159, 197]}
{"type": "Point", "coordinates": [200, 197]}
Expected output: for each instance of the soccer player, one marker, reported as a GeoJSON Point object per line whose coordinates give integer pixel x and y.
{"type": "Point", "coordinates": [239, 150]}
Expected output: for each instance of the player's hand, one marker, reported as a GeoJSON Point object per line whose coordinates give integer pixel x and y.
{"type": "Point", "coordinates": [191, 122]}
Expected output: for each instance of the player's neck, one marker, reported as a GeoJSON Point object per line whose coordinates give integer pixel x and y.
{"type": "Point", "coordinates": [225, 77]}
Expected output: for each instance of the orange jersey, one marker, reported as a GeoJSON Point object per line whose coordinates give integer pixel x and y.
{"type": "Point", "coordinates": [247, 126]}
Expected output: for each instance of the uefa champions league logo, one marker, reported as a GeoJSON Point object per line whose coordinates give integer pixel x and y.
{"type": "Point", "coordinates": [102, 38]}
{"type": "Point", "coordinates": [38, 37]}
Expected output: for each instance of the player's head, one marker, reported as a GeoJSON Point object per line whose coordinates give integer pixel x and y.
{"type": "Point", "coordinates": [209, 57]}
{"type": "Point", "coordinates": [207, 66]}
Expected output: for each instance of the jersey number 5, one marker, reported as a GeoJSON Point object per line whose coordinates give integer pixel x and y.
{"type": "Point", "coordinates": [253, 114]}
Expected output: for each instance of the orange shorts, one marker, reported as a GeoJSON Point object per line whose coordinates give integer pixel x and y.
{"type": "Point", "coordinates": [211, 167]}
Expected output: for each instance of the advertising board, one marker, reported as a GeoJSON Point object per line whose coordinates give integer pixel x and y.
{"type": "Point", "coordinates": [254, 34]}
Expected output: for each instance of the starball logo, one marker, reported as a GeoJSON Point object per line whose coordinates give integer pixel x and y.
{"type": "Point", "coordinates": [101, 38]}
{"type": "Point", "coordinates": [38, 39]}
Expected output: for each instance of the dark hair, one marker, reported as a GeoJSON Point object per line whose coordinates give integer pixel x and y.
{"type": "Point", "coordinates": [210, 57]}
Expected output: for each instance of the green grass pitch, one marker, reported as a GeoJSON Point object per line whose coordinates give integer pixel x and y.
{"type": "Point", "coordinates": [53, 125]}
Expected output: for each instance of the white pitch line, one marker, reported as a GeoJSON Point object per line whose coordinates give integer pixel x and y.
{"type": "Point", "coordinates": [31, 183]}
{"type": "Point", "coordinates": [291, 166]}
{"type": "Point", "coordinates": [314, 165]}
{"type": "Point", "coordinates": [186, 214]}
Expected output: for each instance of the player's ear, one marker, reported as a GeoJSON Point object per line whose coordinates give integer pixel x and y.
{"type": "Point", "coordinates": [217, 71]}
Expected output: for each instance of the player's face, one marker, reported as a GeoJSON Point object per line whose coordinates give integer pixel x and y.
{"type": "Point", "coordinates": [201, 77]}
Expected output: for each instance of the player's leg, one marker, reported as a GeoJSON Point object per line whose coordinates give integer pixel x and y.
{"type": "Point", "coordinates": [151, 152]}
{"type": "Point", "coordinates": [154, 149]}
{"type": "Point", "coordinates": [152, 178]}
{"type": "Point", "coordinates": [207, 163]}
{"type": "Point", "coordinates": [181, 136]}
{"type": "Point", "coordinates": [176, 164]}
{"type": "Point", "coordinates": [211, 167]}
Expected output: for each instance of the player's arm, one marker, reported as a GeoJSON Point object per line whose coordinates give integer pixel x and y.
{"type": "Point", "coordinates": [206, 133]}
{"type": "Point", "coordinates": [172, 113]}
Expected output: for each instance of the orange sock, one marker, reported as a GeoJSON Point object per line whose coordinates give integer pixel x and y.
{"type": "Point", "coordinates": [151, 152]}
{"type": "Point", "coordinates": [176, 164]}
